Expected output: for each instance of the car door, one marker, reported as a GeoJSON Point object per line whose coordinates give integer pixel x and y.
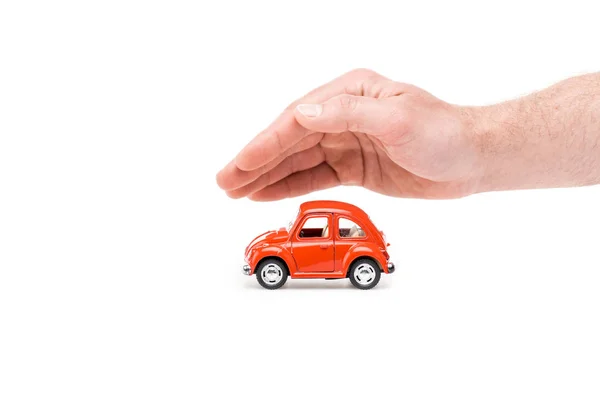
{"type": "Point", "coordinates": [348, 232]}
{"type": "Point", "coordinates": [312, 243]}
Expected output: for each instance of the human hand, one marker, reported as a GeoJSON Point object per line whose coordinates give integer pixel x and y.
{"type": "Point", "coordinates": [361, 129]}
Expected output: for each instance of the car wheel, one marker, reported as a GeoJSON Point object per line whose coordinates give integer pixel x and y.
{"type": "Point", "coordinates": [271, 274]}
{"type": "Point", "coordinates": [365, 274]}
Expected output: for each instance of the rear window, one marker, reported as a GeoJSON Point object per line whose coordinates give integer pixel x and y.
{"type": "Point", "coordinates": [350, 229]}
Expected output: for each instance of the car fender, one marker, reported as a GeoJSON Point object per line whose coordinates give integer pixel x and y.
{"type": "Point", "coordinates": [366, 249]}
{"type": "Point", "coordinates": [272, 251]}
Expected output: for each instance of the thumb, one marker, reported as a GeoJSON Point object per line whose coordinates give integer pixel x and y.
{"type": "Point", "coordinates": [345, 113]}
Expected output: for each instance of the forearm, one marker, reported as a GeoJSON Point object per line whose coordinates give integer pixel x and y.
{"type": "Point", "coordinates": [547, 139]}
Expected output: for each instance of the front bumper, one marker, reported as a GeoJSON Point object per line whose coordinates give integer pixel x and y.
{"type": "Point", "coordinates": [246, 269]}
{"type": "Point", "coordinates": [391, 267]}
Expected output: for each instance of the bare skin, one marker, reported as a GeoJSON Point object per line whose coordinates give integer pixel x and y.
{"type": "Point", "coordinates": [396, 139]}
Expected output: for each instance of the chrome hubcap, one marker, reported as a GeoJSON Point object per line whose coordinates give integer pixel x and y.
{"type": "Point", "coordinates": [272, 274]}
{"type": "Point", "coordinates": [364, 274]}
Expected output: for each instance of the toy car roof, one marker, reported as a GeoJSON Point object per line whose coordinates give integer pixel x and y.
{"type": "Point", "coordinates": [331, 206]}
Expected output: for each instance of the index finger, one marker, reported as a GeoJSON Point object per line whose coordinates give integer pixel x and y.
{"type": "Point", "coordinates": [285, 131]}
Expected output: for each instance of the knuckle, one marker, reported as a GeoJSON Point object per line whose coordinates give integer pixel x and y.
{"type": "Point", "coordinates": [362, 81]}
{"type": "Point", "coordinates": [348, 102]}
{"type": "Point", "coordinates": [363, 73]}
{"type": "Point", "coordinates": [348, 105]}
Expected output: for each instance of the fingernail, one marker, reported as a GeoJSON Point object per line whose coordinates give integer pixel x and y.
{"type": "Point", "coordinates": [310, 110]}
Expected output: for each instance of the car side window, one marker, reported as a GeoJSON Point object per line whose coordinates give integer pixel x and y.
{"type": "Point", "coordinates": [315, 227]}
{"type": "Point", "coordinates": [350, 229]}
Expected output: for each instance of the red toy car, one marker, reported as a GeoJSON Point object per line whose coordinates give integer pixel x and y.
{"type": "Point", "coordinates": [328, 239]}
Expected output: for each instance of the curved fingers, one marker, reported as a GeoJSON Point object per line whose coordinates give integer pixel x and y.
{"type": "Point", "coordinates": [231, 177]}
{"type": "Point", "coordinates": [318, 178]}
{"type": "Point", "coordinates": [301, 161]}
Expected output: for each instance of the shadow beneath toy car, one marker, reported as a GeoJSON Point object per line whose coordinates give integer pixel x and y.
{"type": "Point", "coordinates": [309, 284]}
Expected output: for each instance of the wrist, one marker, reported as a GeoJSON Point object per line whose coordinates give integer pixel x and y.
{"type": "Point", "coordinates": [501, 144]}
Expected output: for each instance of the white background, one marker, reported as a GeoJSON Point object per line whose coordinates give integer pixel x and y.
{"type": "Point", "coordinates": [120, 258]}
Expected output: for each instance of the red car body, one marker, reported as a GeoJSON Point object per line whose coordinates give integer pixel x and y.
{"type": "Point", "coordinates": [329, 252]}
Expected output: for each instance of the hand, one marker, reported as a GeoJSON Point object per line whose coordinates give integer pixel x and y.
{"type": "Point", "coordinates": [361, 129]}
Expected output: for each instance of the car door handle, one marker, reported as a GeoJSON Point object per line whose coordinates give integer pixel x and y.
{"type": "Point", "coordinates": [323, 246]}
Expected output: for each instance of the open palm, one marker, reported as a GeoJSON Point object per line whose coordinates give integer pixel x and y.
{"type": "Point", "coordinates": [360, 129]}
